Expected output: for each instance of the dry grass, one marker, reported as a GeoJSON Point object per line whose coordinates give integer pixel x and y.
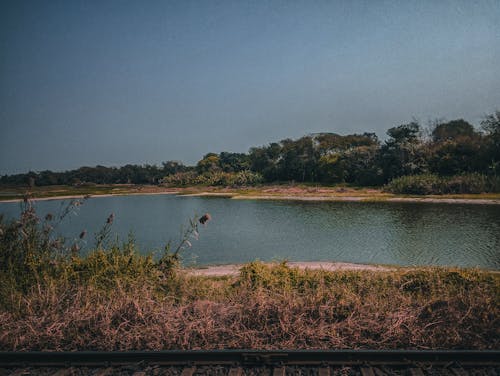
{"type": "Point", "coordinates": [266, 307]}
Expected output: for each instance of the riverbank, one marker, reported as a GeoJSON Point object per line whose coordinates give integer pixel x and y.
{"type": "Point", "coordinates": [235, 269]}
{"type": "Point", "coordinates": [113, 303]}
{"type": "Point", "coordinates": [266, 192]}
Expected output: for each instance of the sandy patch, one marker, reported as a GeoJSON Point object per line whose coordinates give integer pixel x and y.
{"type": "Point", "coordinates": [287, 194]}
{"type": "Point", "coordinates": [46, 198]}
{"type": "Point", "coordinates": [482, 201]}
{"type": "Point", "coordinates": [72, 197]}
{"type": "Point", "coordinates": [371, 199]}
{"type": "Point", "coordinates": [234, 269]}
{"type": "Point", "coordinates": [300, 198]}
{"type": "Point", "coordinates": [207, 194]}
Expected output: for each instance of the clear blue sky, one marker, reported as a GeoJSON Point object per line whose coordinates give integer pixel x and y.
{"type": "Point", "coordinates": [116, 82]}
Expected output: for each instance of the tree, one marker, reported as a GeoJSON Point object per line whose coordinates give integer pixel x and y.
{"type": "Point", "coordinates": [403, 153]}
{"type": "Point", "coordinates": [361, 165]}
{"type": "Point", "coordinates": [405, 133]}
{"type": "Point", "coordinates": [491, 126]}
{"type": "Point", "coordinates": [234, 162]}
{"type": "Point", "coordinates": [452, 130]}
{"type": "Point", "coordinates": [209, 163]}
{"type": "Point", "coordinates": [265, 159]}
{"type": "Point", "coordinates": [172, 167]}
{"type": "Point", "coordinates": [455, 148]}
{"type": "Point", "coordinates": [298, 160]}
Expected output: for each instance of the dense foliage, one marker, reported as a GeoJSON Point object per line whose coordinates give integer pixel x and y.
{"type": "Point", "coordinates": [428, 184]}
{"type": "Point", "coordinates": [453, 148]}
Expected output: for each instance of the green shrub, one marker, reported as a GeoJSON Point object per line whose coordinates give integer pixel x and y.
{"type": "Point", "coordinates": [427, 184]}
{"type": "Point", "coordinates": [416, 185]}
{"type": "Point", "coordinates": [31, 255]}
{"type": "Point", "coordinates": [214, 178]}
{"type": "Point", "coordinates": [468, 183]}
{"type": "Point", "coordinates": [181, 179]}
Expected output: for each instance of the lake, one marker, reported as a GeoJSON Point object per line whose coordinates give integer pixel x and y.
{"type": "Point", "coordinates": [240, 231]}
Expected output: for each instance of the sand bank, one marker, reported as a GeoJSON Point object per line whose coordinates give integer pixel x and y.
{"type": "Point", "coordinates": [73, 197]}
{"type": "Point", "coordinates": [234, 269]}
{"type": "Point", "coordinates": [289, 196]}
{"type": "Point", "coordinates": [372, 199]}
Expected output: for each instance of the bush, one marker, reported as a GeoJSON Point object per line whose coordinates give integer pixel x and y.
{"type": "Point", "coordinates": [181, 179]}
{"type": "Point", "coordinates": [427, 184]}
{"type": "Point", "coordinates": [32, 255]}
{"type": "Point", "coordinates": [214, 178]}
{"type": "Point", "coordinates": [416, 185]}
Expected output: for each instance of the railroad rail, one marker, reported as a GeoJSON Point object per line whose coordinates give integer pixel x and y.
{"type": "Point", "coordinates": [238, 362]}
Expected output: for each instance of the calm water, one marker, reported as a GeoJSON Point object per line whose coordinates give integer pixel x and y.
{"type": "Point", "coordinates": [245, 230]}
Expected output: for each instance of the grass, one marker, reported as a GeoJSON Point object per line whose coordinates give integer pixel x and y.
{"type": "Point", "coordinates": [111, 301]}
{"type": "Point", "coordinates": [52, 298]}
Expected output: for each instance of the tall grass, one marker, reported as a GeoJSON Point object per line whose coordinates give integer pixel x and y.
{"type": "Point", "coordinates": [116, 299]}
{"type": "Point", "coordinates": [267, 307]}
{"type": "Point", "coordinates": [32, 255]}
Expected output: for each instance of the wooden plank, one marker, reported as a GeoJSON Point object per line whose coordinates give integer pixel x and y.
{"type": "Point", "coordinates": [367, 371]}
{"type": "Point", "coordinates": [65, 372]}
{"type": "Point", "coordinates": [235, 372]}
{"type": "Point", "coordinates": [324, 371]}
{"type": "Point", "coordinates": [279, 371]}
{"type": "Point", "coordinates": [188, 371]}
{"type": "Point", "coordinates": [459, 371]}
{"type": "Point", "coordinates": [379, 372]}
{"type": "Point", "coordinates": [104, 372]}
{"type": "Point", "coordinates": [20, 372]}
{"type": "Point", "coordinates": [416, 372]}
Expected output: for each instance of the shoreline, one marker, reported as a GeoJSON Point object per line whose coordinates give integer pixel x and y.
{"type": "Point", "coordinates": [70, 197]}
{"type": "Point", "coordinates": [430, 200]}
{"type": "Point", "coordinates": [424, 199]}
{"type": "Point", "coordinates": [234, 269]}
{"type": "Point", "coordinates": [323, 194]}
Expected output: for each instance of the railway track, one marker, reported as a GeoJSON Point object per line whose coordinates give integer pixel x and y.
{"type": "Point", "coordinates": [252, 362]}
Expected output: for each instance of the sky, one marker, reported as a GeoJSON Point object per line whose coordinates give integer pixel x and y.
{"type": "Point", "coordinates": [110, 82]}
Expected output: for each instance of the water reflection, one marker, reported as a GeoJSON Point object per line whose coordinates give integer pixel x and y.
{"type": "Point", "coordinates": [242, 231]}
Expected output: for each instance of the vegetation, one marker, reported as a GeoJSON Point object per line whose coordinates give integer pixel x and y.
{"type": "Point", "coordinates": [431, 184]}
{"type": "Point", "coordinates": [452, 151]}
{"type": "Point", "coordinates": [214, 178]}
{"type": "Point", "coordinates": [53, 298]}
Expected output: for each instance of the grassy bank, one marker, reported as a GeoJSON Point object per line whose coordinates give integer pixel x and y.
{"type": "Point", "coordinates": [117, 301]}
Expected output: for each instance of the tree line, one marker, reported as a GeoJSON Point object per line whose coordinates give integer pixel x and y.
{"type": "Point", "coordinates": [447, 148]}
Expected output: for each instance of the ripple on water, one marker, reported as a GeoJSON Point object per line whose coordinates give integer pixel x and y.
{"type": "Point", "coordinates": [245, 230]}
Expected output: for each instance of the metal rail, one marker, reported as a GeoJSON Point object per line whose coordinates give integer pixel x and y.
{"type": "Point", "coordinates": [232, 358]}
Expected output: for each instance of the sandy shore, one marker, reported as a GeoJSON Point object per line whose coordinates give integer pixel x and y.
{"type": "Point", "coordinates": [234, 269]}
{"type": "Point", "coordinates": [72, 197]}
{"type": "Point", "coordinates": [372, 199]}
{"type": "Point", "coordinates": [208, 194]}
{"type": "Point", "coordinates": [286, 195]}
